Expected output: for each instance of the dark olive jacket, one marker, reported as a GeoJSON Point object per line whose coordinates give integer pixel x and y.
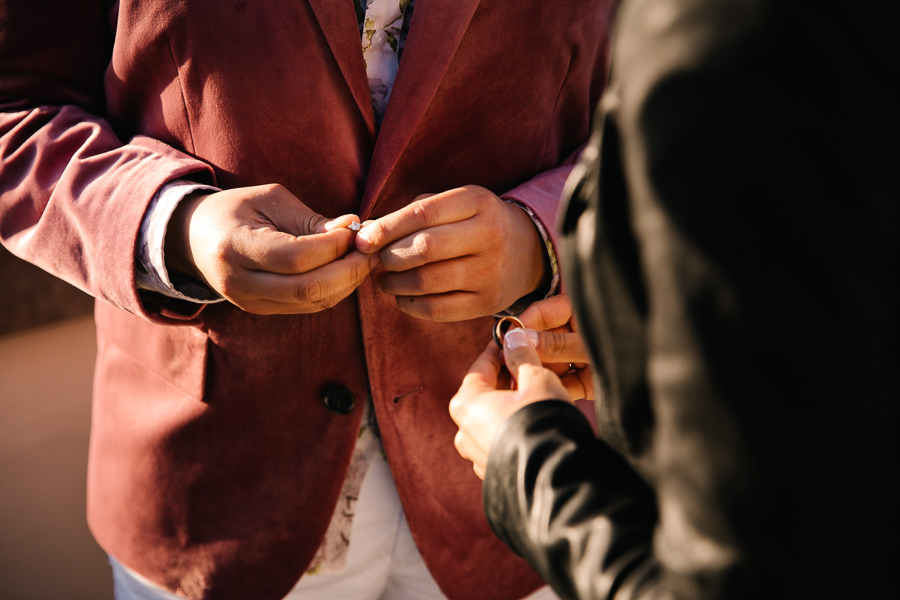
{"type": "Point", "coordinates": [731, 248]}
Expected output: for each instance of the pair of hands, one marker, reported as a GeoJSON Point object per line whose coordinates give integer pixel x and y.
{"type": "Point", "coordinates": [546, 361]}
{"type": "Point", "coordinates": [452, 256]}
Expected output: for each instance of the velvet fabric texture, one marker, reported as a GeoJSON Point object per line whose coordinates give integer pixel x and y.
{"type": "Point", "coordinates": [214, 463]}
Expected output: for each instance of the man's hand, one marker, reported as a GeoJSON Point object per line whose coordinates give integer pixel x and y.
{"type": "Point", "coordinates": [480, 409]}
{"type": "Point", "coordinates": [559, 345]}
{"type": "Point", "coordinates": [457, 255]}
{"type": "Point", "coordinates": [265, 251]}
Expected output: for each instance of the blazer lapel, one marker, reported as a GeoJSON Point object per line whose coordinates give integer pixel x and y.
{"type": "Point", "coordinates": [435, 32]}
{"type": "Point", "coordinates": [337, 20]}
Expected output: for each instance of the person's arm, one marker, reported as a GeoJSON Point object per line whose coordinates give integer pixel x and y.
{"type": "Point", "coordinates": [570, 505]}
{"type": "Point", "coordinates": [457, 255]}
{"type": "Point", "coordinates": [553, 492]}
{"type": "Point", "coordinates": [741, 191]}
{"type": "Point", "coordinates": [72, 193]}
{"type": "Point", "coordinates": [153, 272]}
{"type": "Point", "coordinates": [468, 252]}
{"type": "Point", "coordinates": [539, 198]}
{"type": "Point", "coordinates": [573, 507]}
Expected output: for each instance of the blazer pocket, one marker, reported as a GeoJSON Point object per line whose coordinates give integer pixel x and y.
{"type": "Point", "coordinates": [176, 354]}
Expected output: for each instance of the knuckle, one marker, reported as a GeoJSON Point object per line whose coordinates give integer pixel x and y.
{"type": "Point", "coordinates": [310, 292]}
{"type": "Point", "coordinates": [427, 309]}
{"type": "Point", "coordinates": [554, 342]}
{"type": "Point", "coordinates": [439, 311]}
{"type": "Point", "coordinates": [273, 189]}
{"type": "Point", "coordinates": [459, 442]}
{"type": "Point", "coordinates": [358, 273]}
{"type": "Point", "coordinates": [422, 245]}
{"type": "Point", "coordinates": [418, 282]}
{"type": "Point", "coordinates": [423, 279]}
{"type": "Point", "coordinates": [223, 251]}
{"type": "Point", "coordinates": [421, 213]}
{"type": "Point", "coordinates": [493, 237]}
{"type": "Point", "coordinates": [455, 407]}
{"type": "Point", "coordinates": [477, 195]}
{"type": "Point", "coordinates": [229, 287]}
{"type": "Point", "coordinates": [309, 222]}
{"type": "Point", "coordinates": [434, 314]}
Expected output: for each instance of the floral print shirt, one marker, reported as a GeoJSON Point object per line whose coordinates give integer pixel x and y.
{"type": "Point", "coordinates": [383, 25]}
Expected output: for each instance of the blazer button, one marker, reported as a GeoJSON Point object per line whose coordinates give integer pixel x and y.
{"type": "Point", "coordinates": [339, 400]}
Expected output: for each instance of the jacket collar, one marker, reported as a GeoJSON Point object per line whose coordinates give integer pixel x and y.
{"type": "Point", "coordinates": [337, 19]}
{"type": "Point", "coordinates": [435, 32]}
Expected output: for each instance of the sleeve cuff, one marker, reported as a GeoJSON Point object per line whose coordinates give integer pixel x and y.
{"type": "Point", "coordinates": [511, 448]}
{"type": "Point", "coordinates": [549, 255]}
{"type": "Point", "coordinates": [152, 273]}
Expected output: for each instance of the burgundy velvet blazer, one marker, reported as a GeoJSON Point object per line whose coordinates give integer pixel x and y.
{"type": "Point", "coordinates": [215, 464]}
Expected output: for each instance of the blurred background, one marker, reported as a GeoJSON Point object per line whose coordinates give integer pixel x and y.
{"type": "Point", "coordinates": [47, 351]}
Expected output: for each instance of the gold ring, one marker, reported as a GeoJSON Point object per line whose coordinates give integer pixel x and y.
{"type": "Point", "coordinates": [503, 325]}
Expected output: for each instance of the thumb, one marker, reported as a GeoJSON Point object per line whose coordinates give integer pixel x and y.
{"type": "Point", "coordinates": [276, 205]}
{"type": "Point", "coordinates": [312, 223]}
{"type": "Point", "coordinates": [349, 221]}
{"type": "Point", "coordinates": [533, 380]}
{"type": "Point", "coordinates": [520, 348]}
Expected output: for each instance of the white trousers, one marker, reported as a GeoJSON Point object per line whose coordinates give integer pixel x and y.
{"type": "Point", "coordinates": [383, 562]}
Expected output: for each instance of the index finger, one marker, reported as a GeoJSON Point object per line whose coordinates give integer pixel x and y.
{"type": "Point", "coordinates": [447, 207]}
{"type": "Point", "coordinates": [271, 251]}
{"type": "Point", "coordinates": [321, 288]}
{"type": "Point", "coordinates": [561, 347]}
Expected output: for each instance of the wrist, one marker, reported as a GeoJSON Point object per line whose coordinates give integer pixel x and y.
{"type": "Point", "coordinates": [533, 264]}
{"type": "Point", "coordinates": [542, 279]}
{"type": "Point", "coordinates": [177, 246]}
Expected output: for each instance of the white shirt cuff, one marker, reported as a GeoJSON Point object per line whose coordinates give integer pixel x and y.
{"type": "Point", "coordinates": [152, 274]}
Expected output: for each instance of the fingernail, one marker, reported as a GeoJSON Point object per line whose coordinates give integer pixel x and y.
{"type": "Point", "coordinates": [363, 233]}
{"type": "Point", "coordinates": [519, 338]}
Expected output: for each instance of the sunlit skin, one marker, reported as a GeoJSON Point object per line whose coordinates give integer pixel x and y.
{"type": "Point", "coordinates": [532, 366]}
{"type": "Point", "coordinates": [457, 255]}
{"type": "Point", "coordinates": [265, 251]}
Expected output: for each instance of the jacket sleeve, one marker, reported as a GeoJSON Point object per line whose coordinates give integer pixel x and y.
{"type": "Point", "coordinates": [72, 193]}
{"type": "Point", "coordinates": [544, 498]}
{"type": "Point", "coordinates": [539, 197]}
{"type": "Point", "coordinates": [541, 194]}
